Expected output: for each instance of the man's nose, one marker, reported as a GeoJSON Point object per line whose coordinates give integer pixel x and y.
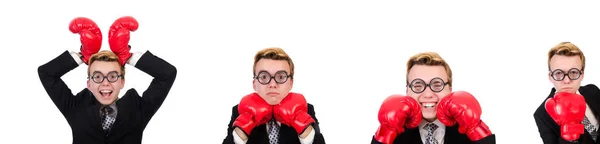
{"type": "Point", "coordinates": [105, 82]}
{"type": "Point", "coordinates": [567, 80]}
{"type": "Point", "coordinates": [427, 93]}
{"type": "Point", "coordinates": [272, 84]}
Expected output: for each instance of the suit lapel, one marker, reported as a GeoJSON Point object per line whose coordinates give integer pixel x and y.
{"type": "Point", "coordinates": [285, 135]}
{"type": "Point", "coordinates": [591, 98]}
{"type": "Point", "coordinates": [122, 116]}
{"type": "Point", "coordinates": [450, 135]}
{"type": "Point", "coordinates": [410, 136]}
{"type": "Point", "coordinates": [419, 139]}
{"type": "Point", "coordinates": [93, 118]}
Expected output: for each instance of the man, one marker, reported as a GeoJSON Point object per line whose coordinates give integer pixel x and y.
{"type": "Point", "coordinates": [96, 114]}
{"type": "Point", "coordinates": [273, 114]}
{"type": "Point", "coordinates": [570, 112]}
{"type": "Point", "coordinates": [431, 113]}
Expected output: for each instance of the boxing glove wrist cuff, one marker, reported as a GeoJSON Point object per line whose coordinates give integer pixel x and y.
{"type": "Point", "coordinates": [571, 132]}
{"type": "Point", "coordinates": [302, 121]}
{"type": "Point", "coordinates": [385, 135]}
{"type": "Point", "coordinates": [479, 132]}
{"type": "Point", "coordinates": [245, 123]}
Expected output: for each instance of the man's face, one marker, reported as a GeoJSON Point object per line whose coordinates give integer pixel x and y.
{"type": "Point", "coordinates": [430, 89]}
{"type": "Point", "coordinates": [279, 86]}
{"type": "Point", "coordinates": [570, 68]}
{"type": "Point", "coordinates": [108, 74]}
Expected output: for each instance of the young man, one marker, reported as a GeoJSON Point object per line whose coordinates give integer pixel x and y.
{"type": "Point", "coordinates": [96, 114]}
{"type": "Point", "coordinates": [273, 114]}
{"type": "Point", "coordinates": [431, 113]}
{"type": "Point", "coordinates": [570, 112]}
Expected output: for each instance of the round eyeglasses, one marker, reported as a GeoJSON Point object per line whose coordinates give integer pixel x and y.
{"type": "Point", "coordinates": [264, 77]}
{"type": "Point", "coordinates": [559, 75]}
{"type": "Point", "coordinates": [419, 85]}
{"type": "Point", "coordinates": [97, 77]}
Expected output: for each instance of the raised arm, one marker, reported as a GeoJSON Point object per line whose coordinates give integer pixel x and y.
{"type": "Point", "coordinates": [164, 73]}
{"type": "Point", "coordinates": [50, 73]}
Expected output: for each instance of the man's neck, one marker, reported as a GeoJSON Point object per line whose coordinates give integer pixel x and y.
{"type": "Point", "coordinates": [430, 120]}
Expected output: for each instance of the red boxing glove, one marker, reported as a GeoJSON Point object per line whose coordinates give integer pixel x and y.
{"type": "Point", "coordinates": [461, 107]}
{"type": "Point", "coordinates": [253, 111]}
{"type": "Point", "coordinates": [91, 37]}
{"type": "Point", "coordinates": [397, 112]}
{"type": "Point", "coordinates": [293, 111]}
{"type": "Point", "coordinates": [567, 110]}
{"type": "Point", "coordinates": [118, 37]}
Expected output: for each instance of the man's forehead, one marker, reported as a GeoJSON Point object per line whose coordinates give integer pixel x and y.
{"type": "Point", "coordinates": [272, 66]}
{"type": "Point", "coordinates": [272, 70]}
{"type": "Point", "coordinates": [427, 73]}
{"type": "Point", "coordinates": [565, 62]}
{"type": "Point", "coordinates": [103, 68]}
{"type": "Point", "coordinates": [427, 79]}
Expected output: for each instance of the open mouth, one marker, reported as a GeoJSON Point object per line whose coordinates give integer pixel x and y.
{"type": "Point", "coordinates": [428, 104]}
{"type": "Point", "coordinates": [106, 93]}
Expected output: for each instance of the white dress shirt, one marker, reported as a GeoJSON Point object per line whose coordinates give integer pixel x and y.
{"type": "Point", "coordinates": [308, 140]}
{"type": "Point", "coordinates": [438, 134]}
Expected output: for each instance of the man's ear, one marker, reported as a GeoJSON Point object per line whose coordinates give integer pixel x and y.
{"type": "Point", "coordinates": [450, 88]}
{"type": "Point", "coordinates": [291, 83]}
{"type": "Point", "coordinates": [254, 85]}
{"type": "Point", "coordinates": [122, 83]}
{"type": "Point", "coordinates": [550, 76]}
{"type": "Point", "coordinates": [88, 84]}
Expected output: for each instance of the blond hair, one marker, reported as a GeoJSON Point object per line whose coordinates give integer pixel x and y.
{"type": "Point", "coordinates": [273, 53]}
{"type": "Point", "coordinates": [106, 56]}
{"type": "Point", "coordinates": [566, 49]}
{"type": "Point", "coordinates": [429, 59]}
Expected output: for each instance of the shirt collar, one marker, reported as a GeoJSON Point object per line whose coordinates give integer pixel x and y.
{"type": "Point", "coordinates": [436, 122]}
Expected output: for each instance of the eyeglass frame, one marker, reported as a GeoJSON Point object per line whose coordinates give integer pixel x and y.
{"type": "Point", "coordinates": [271, 77]}
{"type": "Point", "coordinates": [566, 75]}
{"type": "Point", "coordinates": [105, 77]}
{"type": "Point", "coordinates": [427, 85]}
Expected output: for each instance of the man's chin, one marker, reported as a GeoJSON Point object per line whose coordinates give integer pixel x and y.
{"type": "Point", "coordinates": [429, 117]}
{"type": "Point", "coordinates": [105, 101]}
{"type": "Point", "coordinates": [273, 102]}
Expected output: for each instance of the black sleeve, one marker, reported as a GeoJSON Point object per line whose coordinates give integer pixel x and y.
{"type": "Point", "coordinates": [318, 139]}
{"type": "Point", "coordinates": [487, 140]}
{"type": "Point", "coordinates": [164, 76]}
{"type": "Point", "coordinates": [50, 75]}
{"type": "Point", "coordinates": [374, 141]}
{"type": "Point", "coordinates": [234, 115]}
{"type": "Point", "coordinates": [546, 133]}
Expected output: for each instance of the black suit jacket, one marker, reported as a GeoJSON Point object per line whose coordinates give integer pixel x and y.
{"type": "Point", "coordinates": [288, 135]}
{"type": "Point", "coordinates": [452, 136]}
{"type": "Point", "coordinates": [550, 131]}
{"type": "Point", "coordinates": [82, 111]}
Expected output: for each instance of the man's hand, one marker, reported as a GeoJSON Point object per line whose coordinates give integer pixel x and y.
{"type": "Point", "coordinates": [90, 36]}
{"type": "Point", "coordinates": [293, 111]}
{"type": "Point", "coordinates": [119, 35]}
{"type": "Point", "coordinates": [462, 108]}
{"type": "Point", "coordinates": [567, 110]}
{"type": "Point", "coordinates": [253, 111]}
{"type": "Point", "coordinates": [395, 113]}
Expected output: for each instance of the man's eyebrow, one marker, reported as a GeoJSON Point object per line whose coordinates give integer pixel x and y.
{"type": "Point", "coordinates": [102, 73]}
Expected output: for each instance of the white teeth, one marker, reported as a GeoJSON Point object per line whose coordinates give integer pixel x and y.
{"type": "Point", "coordinates": [428, 105]}
{"type": "Point", "coordinates": [106, 91]}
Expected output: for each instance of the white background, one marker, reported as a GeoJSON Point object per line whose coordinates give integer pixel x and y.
{"type": "Point", "coordinates": [349, 57]}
